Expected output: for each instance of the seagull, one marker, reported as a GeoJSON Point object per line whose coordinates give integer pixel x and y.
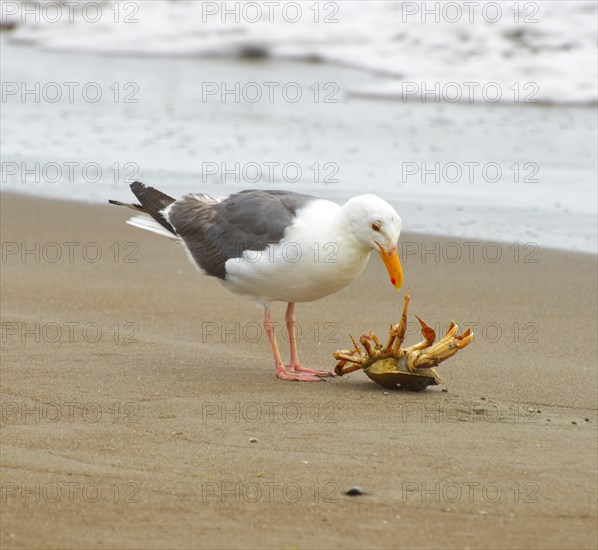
{"type": "Point", "coordinates": [276, 246]}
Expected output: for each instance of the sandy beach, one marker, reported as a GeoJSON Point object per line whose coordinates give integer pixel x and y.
{"type": "Point", "coordinates": [140, 407]}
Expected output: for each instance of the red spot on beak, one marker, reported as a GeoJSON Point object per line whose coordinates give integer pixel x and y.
{"type": "Point", "coordinates": [393, 281]}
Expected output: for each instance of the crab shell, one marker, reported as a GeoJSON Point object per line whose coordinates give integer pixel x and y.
{"type": "Point", "coordinates": [392, 373]}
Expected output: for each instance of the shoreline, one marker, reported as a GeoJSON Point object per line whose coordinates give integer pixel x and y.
{"type": "Point", "coordinates": [424, 236]}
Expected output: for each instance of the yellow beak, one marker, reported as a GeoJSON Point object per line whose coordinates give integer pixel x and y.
{"type": "Point", "coordinates": [393, 265]}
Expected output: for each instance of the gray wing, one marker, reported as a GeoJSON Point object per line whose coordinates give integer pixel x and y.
{"type": "Point", "coordinates": [215, 232]}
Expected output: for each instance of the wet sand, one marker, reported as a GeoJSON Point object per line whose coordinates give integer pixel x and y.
{"type": "Point", "coordinates": [133, 388]}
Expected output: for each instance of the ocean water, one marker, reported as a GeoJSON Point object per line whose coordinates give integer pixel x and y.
{"type": "Point", "coordinates": [549, 43]}
{"type": "Point", "coordinates": [79, 125]}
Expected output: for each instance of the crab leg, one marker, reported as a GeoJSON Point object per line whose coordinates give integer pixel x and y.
{"type": "Point", "coordinates": [397, 333]}
{"type": "Point", "coordinates": [346, 370]}
{"type": "Point", "coordinates": [442, 350]}
{"type": "Point", "coordinates": [372, 351]}
{"type": "Point", "coordinates": [345, 357]}
{"type": "Point", "coordinates": [372, 336]}
{"type": "Point", "coordinates": [429, 337]}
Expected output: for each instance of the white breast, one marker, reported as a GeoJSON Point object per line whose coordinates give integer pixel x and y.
{"type": "Point", "coordinates": [317, 256]}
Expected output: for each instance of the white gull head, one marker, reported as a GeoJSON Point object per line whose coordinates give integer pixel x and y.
{"type": "Point", "coordinates": [376, 225]}
{"type": "Point", "coordinates": [372, 220]}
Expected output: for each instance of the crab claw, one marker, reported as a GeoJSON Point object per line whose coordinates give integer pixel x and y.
{"type": "Point", "coordinates": [452, 330]}
{"type": "Point", "coordinates": [427, 332]}
{"type": "Point", "coordinates": [439, 352]}
{"type": "Point", "coordinates": [465, 339]}
{"type": "Point", "coordinates": [429, 336]}
{"type": "Point", "coordinates": [465, 334]}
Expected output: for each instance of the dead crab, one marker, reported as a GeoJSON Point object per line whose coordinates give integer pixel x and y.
{"type": "Point", "coordinates": [395, 367]}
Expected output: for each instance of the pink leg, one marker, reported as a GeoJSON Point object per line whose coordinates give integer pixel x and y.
{"type": "Point", "coordinates": [281, 372]}
{"type": "Point", "coordinates": [295, 364]}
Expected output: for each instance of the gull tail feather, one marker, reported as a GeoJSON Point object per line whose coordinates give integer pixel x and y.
{"type": "Point", "coordinates": [149, 224]}
{"type": "Point", "coordinates": [153, 205]}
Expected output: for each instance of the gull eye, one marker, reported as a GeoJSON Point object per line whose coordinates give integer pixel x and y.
{"type": "Point", "coordinates": [376, 227]}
